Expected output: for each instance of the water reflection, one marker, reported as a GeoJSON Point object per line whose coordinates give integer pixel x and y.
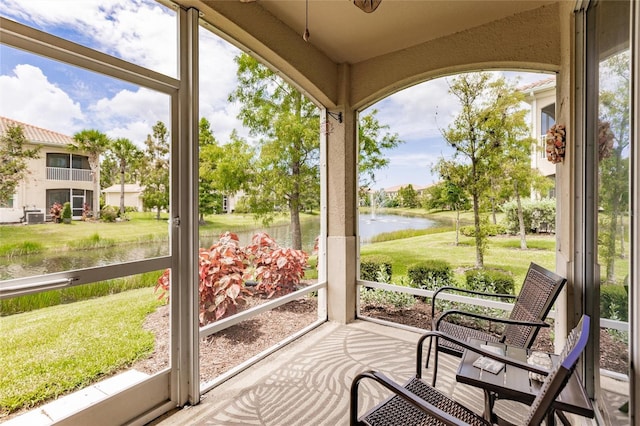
{"type": "Point", "coordinates": [32, 265]}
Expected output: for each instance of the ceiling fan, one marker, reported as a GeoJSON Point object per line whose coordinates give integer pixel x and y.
{"type": "Point", "coordinates": [367, 5]}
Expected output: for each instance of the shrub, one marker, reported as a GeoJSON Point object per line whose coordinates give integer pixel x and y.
{"type": "Point", "coordinates": [614, 302]}
{"type": "Point", "coordinates": [56, 212]}
{"type": "Point", "coordinates": [66, 212]}
{"type": "Point", "coordinates": [431, 274]}
{"type": "Point", "coordinates": [370, 267]}
{"type": "Point", "coordinates": [490, 230]}
{"type": "Point", "coordinates": [109, 213]}
{"type": "Point", "coordinates": [489, 281]}
{"type": "Point", "coordinates": [382, 298]}
{"type": "Point", "coordinates": [278, 270]}
{"type": "Point", "coordinates": [221, 285]}
{"type": "Point", "coordinates": [539, 216]}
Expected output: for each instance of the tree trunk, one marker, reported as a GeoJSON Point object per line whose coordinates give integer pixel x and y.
{"type": "Point", "coordinates": [94, 163]}
{"type": "Point", "coordinates": [523, 238]}
{"type": "Point", "coordinates": [478, 233]}
{"type": "Point", "coordinates": [122, 190]}
{"type": "Point", "coordinates": [457, 228]}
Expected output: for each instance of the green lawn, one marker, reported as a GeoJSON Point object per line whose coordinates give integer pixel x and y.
{"type": "Point", "coordinates": [502, 252]}
{"type": "Point", "coordinates": [16, 239]}
{"type": "Point", "coordinates": [51, 351]}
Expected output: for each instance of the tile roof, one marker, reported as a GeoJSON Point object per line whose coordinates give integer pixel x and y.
{"type": "Point", "coordinates": [547, 82]}
{"type": "Point", "coordinates": [36, 135]}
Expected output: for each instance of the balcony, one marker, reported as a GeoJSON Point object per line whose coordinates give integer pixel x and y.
{"type": "Point", "coordinates": [76, 175]}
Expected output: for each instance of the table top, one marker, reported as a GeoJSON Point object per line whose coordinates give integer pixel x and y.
{"type": "Point", "coordinates": [513, 383]}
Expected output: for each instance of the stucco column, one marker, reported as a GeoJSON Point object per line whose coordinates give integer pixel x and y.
{"type": "Point", "coordinates": [341, 209]}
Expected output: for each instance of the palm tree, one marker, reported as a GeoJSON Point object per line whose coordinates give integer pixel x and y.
{"type": "Point", "coordinates": [126, 154]}
{"type": "Point", "coordinates": [92, 143]}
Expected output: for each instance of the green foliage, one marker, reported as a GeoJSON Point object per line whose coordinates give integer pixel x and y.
{"type": "Point", "coordinates": [155, 176]}
{"type": "Point", "coordinates": [406, 233]}
{"type": "Point", "coordinates": [20, 249]}
{"type": "Point", "coordinates": [109, 214]}
{"type": "Point", "coordinates": [490, 230]}
{"type": "Point", "coordinates": [36, 301]}
{"type": "Point", "coordinates": [614, 302]}
{"type": "Point", "coordinates": [287, 173]}
{"type": "Point", "coordinates": [431, 274]}
{"type": "Point", "coordinates": [371, 265]}
{"type": "Point", "coordinates": [539, 215]}
{"type": "Point", "coordinates": [373, 146]}
{"type": "Point", "coordinates": [93, 241]}
{"type": "Point", "coordinates": [408, 197]}
{"type": "Point", "coordinates": [66, 211]}
{"type": "Point", "coordinates": [490, 281]}
{"type": "Point", "coordinates": [384, 298]}
{"type": "Point", "coordinates": [13, 161]}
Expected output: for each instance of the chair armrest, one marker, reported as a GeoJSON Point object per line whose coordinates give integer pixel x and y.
{"type": "Point", "coordinates": [466, 345]}
{"type": "Point", "coordinates": [447, 289]}
{"type": "Point", "coordinates": [539, 324]}
{"type": "Point", "coordinates": [408, 396]}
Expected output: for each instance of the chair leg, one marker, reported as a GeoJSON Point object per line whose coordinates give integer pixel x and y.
{"type": "Point", "coordinates": [435, 365]}
{"type": "Point", "coordinates": [429, 352]}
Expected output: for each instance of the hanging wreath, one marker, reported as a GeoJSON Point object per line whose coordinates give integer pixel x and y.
{"type": "Point", "coordinates": [556, 143]}
{"type": "Point", "coordinates": [605, 140]}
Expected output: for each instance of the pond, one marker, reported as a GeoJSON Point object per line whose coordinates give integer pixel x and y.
{"type": "Point", "coordinates": [40, 264]}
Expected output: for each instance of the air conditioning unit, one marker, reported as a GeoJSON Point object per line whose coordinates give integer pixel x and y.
{"type": "Point", "coordinates": [35, 217]}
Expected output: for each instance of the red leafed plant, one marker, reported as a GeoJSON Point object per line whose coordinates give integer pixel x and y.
{"type": "Point", "coordinates": [277, 270]}
{"type": "Point", "coordinates": [221, 285]}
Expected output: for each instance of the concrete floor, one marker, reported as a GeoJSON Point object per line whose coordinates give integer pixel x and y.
{"type": "Point", "coordinates": [308, 381]}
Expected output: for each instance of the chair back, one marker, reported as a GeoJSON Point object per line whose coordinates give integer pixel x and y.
{"type": "Point", "coordinates": [539, 292]}
{"type": "Point", "coordinates": [559, 375]}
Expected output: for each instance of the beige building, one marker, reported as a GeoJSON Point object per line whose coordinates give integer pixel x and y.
{"type": "Point", "coordinates": [541, 95]}
{"type": "Point", "coordinates": [132, 195]}
{"type": "Point", "coordinates": [57, 175]}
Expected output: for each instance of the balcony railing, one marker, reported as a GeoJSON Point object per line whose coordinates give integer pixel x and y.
{"type": "Point", "coordinates": [61, 173]}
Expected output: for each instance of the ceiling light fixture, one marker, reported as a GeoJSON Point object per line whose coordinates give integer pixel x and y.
{"type": "Point", "coordinates": [367, 5]}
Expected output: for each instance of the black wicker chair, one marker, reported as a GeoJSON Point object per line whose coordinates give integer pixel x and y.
{"type": "Point", "coordinates": [417, 403]}
{"type": "Point", "coordinates": [539, 291]}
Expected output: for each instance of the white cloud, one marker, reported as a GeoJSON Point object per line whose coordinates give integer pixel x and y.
{"type": "Point", "coordinates": [118, 27]}
{"type": "Point", "coordinates": [28, 96]}
{"type": "Point", "coordinates": [130, 114]}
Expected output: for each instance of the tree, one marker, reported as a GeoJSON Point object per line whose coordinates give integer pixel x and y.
{"type": "Point", "coordinates": [613, 148]}
{"type": "Point", "coordinates": [126, 154]}
{"type": "Point", "coordinates": [155, 178]}
{"type": "Point", "coordinates": [92, 143]}
{"type": "Point", "coordinates": [372, 147]}
{"type": "Point", "coordinates": [287, 168]}
{"type": "Point", "coordinates": [510, 168]}
{"type": "Point", "coordinates": [479, 135]}
{"type": "Point", "coordinates": [450, 193]}
{"type": "Point", "coordinates": [408, 197]}
{"type": "Point", "coordinates": [13, 161]}
{"type": "Point", "coordinates": [209, 151]}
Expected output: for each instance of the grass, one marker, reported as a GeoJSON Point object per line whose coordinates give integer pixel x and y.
{"type": "Point", "coordinates": [35, 301]}
{"type": "Point", "coordinates": [502, 253]}
{"type": "Point", "coordinates": [52, 351]}
{"type": "Point", "coordinates": [142, 227]}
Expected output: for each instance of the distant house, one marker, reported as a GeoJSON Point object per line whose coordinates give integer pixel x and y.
{"type": "Point", "coordinates": [392, 191]}
{"type": "Point", "coordinates": [132, 196]}
{"type": "Point", "coordinates": [541, 95]}
{"type": "Point", "coordinates": [58, 175]}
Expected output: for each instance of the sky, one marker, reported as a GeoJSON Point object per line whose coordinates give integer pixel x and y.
{"type": "Point", "coordinates": [65, 99]}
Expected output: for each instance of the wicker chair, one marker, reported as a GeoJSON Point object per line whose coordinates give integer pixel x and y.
{"type": "Point", "coordinates": [417, 403]}
{"type": "Point", "coordinates": [539, 291]}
